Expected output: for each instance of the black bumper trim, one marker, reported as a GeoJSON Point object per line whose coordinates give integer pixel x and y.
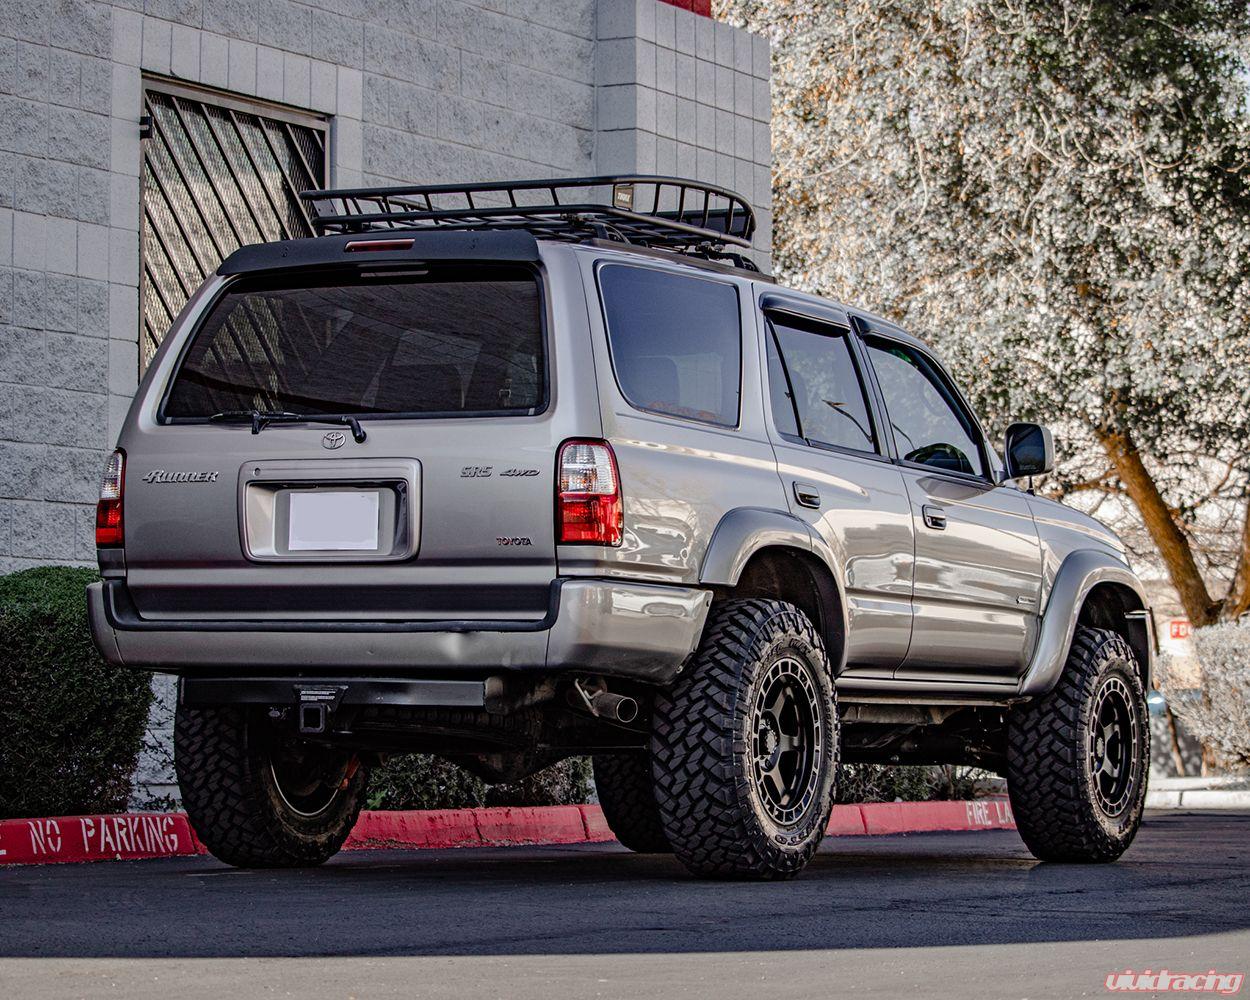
{"type": "Point", "coordinates": [122, 615]}
{"type": "Point", "coordinates": [195, 692]}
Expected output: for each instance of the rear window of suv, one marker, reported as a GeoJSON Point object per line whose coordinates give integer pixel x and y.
{"type": "Point", "coordinates": [464, 343]}
{"type": "Point", "coordinates": [676, 342]}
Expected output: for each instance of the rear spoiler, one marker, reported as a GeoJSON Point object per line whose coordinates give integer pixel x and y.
{"type": "Point", "coordinates": [509, 246]}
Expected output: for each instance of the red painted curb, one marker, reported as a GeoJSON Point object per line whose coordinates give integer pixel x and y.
{"type": "Point", "coordinates": [597, 829]}
{"type": "Point", "coordinates": [161, 835]}
{"type": "Point", "coordinates": [424, 828]}
{"type": "Point", "coordinates": [534, 825]}
{"type": "Point", "coordinates": [95, 838]}
{"type": "Point", "coordinates": [916, 817]}
{"type": "Point", "coordinates": [845, 821]}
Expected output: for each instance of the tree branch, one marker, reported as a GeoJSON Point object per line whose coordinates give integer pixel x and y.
{"type": "Point", "coordinates": [1238, 600]}
{"type": "Point", "coordinates": [1174, 545]}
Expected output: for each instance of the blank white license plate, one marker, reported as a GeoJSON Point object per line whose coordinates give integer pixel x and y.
{"type": "Point", "coordinates": [333, 521]}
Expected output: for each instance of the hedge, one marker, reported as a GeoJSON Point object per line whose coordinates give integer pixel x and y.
{"type": "Point", "coordinates": [422, 781]}
{"type": "Point", "coordinates": [70, 725]}
{"type": "Point", "coordinates": [908, 782]}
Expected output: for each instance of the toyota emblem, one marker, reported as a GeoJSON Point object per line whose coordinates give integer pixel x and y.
{"type": "Point", "coordinates": [333, 439]}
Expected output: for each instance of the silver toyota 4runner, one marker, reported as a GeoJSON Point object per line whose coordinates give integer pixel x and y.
{"type": "Point", "coordinates": [513, 472]}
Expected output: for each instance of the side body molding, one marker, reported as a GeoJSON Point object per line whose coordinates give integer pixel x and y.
{"type": "Point", "coordinates": [1080, 572]}
{"type": "Point", "coordinates": [744, 531]}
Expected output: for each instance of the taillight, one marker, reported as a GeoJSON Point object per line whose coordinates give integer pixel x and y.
{"type": "Point", "coordinates": [108, 512]}
{"type": "Point", "coordinates": [588, 498]}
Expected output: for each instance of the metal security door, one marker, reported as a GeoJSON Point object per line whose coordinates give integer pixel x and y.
{"type": "Point", "coordinates": [217, 174]}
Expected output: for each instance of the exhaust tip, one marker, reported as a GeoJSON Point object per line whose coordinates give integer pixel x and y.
{"type": "Point", "coordinates": [617, 707]}
{"type": "Point", "coordinates": [626, 710]}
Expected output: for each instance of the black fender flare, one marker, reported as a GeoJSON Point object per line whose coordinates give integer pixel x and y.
{"type": "Point", "coordinates": [744, 531]}
{"type": "Point", "coordinates": [1079, 573]}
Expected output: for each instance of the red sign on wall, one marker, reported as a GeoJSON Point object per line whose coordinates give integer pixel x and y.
{"type": "Point", "coordinates": [1178, 628]}
{"type": "Point", "coordinates": [703, 7]}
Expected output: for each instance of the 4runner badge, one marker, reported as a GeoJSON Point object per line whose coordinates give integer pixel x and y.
{"type": "Point", "coordinates": [161, 476]}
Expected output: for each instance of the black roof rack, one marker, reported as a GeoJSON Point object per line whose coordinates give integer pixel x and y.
{"type": "Point", "coordinates": [671, 213]}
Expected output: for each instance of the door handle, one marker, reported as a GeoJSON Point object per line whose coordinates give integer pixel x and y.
{"type": "Point", "coordinates": [807, 495]}
{"type": "Point", "coordinates": [934, 517]}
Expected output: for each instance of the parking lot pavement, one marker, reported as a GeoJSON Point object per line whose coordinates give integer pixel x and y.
{"type": "Point", "coordinates": [944, 914]}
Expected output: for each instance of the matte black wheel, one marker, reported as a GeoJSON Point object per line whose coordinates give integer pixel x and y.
{"type": "Point", "coordinates": [257, 799]}
{"type": "Point", "coordinates": [1113, 746]}
{"type": "Point", "coordinates": [1078, 757]}
{"type": "Point", "coordinates": [745, 745]}
{"type": "Point", "coordinates": [788, 733]}
{"type": "Point", "coordinates": [627, 796]}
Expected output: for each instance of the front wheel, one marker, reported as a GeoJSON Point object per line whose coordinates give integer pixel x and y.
{"type": "Point", "coordinates": [259, 799]}
{"type": "Point", "coordinates": [1078, 757]}
{"type": "Point", "coordinates": [744, 745]}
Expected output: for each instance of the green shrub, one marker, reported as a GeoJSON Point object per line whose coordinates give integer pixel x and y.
{"type": "Point", "coordinates": [910, 783]}
{"type": "Point", "coordinates": [70, 725]}
{"type": "Point", "coordinates": [422, 781]}
{"type": "Point", "coordinates": [567, 783]}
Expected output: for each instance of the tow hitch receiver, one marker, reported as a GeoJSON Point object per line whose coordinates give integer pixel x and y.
{"type": "Point", "coordinates": [315, 706]}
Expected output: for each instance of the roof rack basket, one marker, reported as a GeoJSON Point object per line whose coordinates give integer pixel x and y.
{"type": "Point", "coordinates": [667, 212]}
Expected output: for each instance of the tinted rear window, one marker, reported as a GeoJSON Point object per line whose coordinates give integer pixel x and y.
{"type": "Point", "coordinates": [462, 343]}
{"type": "Point", "coordinates": [676, 342]}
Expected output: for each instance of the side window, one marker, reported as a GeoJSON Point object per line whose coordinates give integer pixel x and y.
{"type": "Point", "coordinates": [676, 342]}
{"type": "Point", "coordinates": [816, 371]}
{"type": "Point", "coordinates": [930, 427]}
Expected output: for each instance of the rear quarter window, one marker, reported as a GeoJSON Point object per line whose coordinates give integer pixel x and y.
{"type": "Point", "coordinates": [676, 342]}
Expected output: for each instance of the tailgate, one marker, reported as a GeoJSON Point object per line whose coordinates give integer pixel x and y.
{"type": "Point", "coordinates": [270, 534]}
{"type": "Point", "coordinates": [444, 511]}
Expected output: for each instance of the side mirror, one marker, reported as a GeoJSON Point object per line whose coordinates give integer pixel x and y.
{"type": "Point", "coordinates": [1029, 450]}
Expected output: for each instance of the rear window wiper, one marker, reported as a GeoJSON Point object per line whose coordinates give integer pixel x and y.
{"type": "Point", "coordinates": [260, 419]}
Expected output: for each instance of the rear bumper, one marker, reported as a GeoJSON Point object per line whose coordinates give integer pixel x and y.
{"type": "Point", "coordinates": [606, 627]}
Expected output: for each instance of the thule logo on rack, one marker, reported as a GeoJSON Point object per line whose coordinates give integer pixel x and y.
{"type": "Point", "coordinates": [161, 476]}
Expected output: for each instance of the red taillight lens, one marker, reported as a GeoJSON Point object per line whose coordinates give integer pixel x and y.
{"type": "Point", "coordinates": [588, 498]}
{"type": "Point", "coordinates": [108, 512]}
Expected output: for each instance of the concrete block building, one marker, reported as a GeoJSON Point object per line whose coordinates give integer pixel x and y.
{"type": "Point", "coordinates": [142, 140]}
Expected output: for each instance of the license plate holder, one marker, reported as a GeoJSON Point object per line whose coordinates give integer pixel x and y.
{"type": "Point", "coordinates": [266, 489]}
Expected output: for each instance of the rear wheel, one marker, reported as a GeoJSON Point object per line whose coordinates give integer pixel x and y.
{"type": "Point", "coordinates": [745, 745]}
{"type": "Point", "coordinates": [1077, 758]}
{"type": "Point", "coordinates": [257, 799]}
{"type": "Point", "coordinates": [627, 796]}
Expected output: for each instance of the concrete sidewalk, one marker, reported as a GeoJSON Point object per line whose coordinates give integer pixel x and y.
{"type": "Point", "coordinates": [1225, 792]}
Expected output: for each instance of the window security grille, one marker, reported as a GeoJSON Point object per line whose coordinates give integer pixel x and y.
{"type": "Point", "coordinates": [216, 174]}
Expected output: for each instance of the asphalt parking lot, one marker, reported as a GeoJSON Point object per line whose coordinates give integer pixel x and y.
{"type": "Point", "coordinates": [967, 915]}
